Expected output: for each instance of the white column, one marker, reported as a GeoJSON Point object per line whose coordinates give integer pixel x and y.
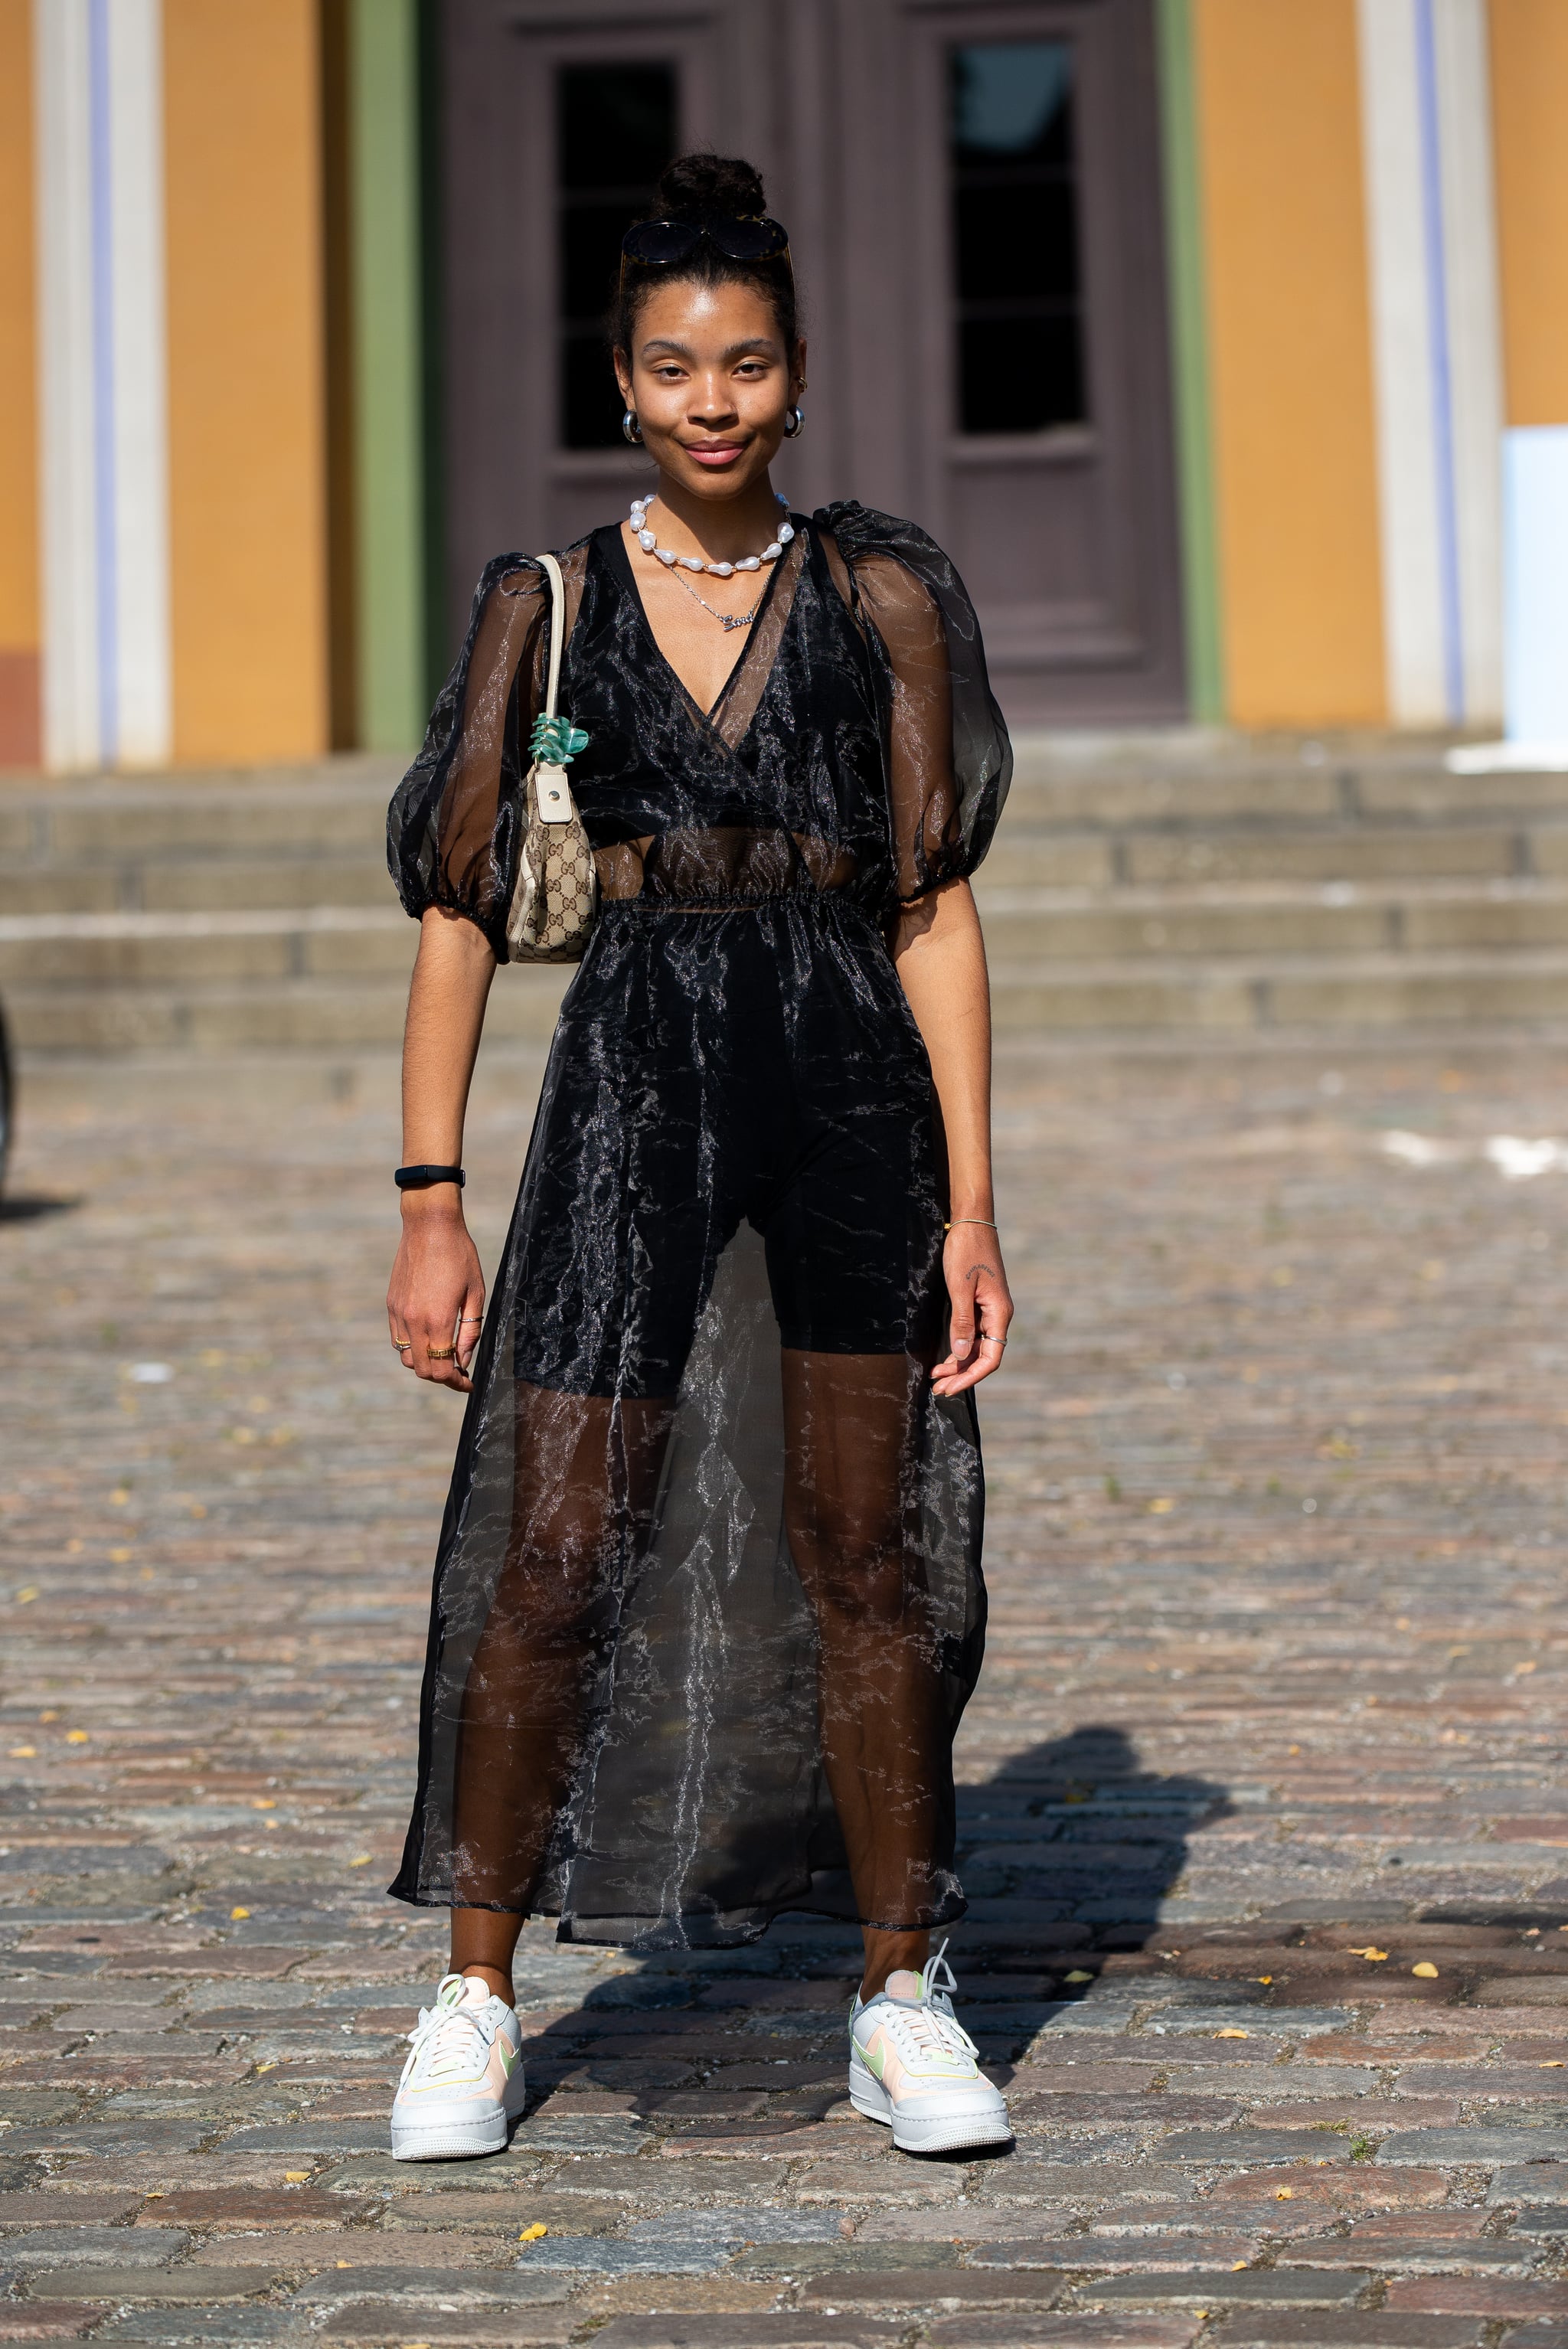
{"type": "Point", "coordinates": [104, 510]}
{"type": "Point", "coordinates": [1436, 342]}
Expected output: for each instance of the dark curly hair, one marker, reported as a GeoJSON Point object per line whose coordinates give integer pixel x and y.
{"type": "Point", "coordinates": [693, 188]}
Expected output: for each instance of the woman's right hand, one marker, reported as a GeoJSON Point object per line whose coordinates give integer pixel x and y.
{"type": "Point", "coordinates": [435, 1298]}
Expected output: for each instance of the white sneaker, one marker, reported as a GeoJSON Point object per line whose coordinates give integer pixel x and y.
{"type": "Point", "coordinates": [912, 2067]}
{"type": "Point", "coordinates": [463, 2080]}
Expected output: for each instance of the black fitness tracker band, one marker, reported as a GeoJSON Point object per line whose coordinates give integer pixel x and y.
{"type": "Point", "coordinates": [421, 1178]}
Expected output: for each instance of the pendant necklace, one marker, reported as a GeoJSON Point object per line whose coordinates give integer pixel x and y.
{"type": "Point", "coordinates": [679, 563]}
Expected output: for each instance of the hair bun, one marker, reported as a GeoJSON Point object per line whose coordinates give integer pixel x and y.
{"type": "Point", "coordinates": [694, 185]}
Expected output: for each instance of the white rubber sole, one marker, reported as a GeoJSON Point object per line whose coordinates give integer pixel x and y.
{"type": "Point", "coordinates": [945, 2134]}
{"type": "Point", "coordinates": [460, 2140]}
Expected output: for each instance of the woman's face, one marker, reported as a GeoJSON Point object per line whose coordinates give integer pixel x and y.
{"type": "Point", "coordinates": [711, 384]}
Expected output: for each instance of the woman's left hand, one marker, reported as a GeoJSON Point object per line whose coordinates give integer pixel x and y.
{"type": "Point", "coordinates": [982, 1307]}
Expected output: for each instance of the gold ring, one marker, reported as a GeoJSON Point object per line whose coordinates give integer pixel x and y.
{"type": "Point", "coordinates": [403, 1345]}
{"type": "Point", "coordinates": [441, 1353]}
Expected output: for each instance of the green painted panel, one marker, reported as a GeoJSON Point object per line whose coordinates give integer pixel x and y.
{"type": "Point", "coordinates": [384, 138]}
{"type": "Point", "coordinates": [1189, 363]}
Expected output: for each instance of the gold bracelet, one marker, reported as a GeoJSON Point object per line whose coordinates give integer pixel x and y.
{"type": "Point", "coordinates": [990, 1226]}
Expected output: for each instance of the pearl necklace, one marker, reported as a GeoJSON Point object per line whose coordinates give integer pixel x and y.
{"type": "Point", "coordinates": [649, 545]}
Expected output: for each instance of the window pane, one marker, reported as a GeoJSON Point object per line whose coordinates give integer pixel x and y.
{"type": "Point", "coordinates": [1019, 289]}
{"type": "Point", "coordinates": [1013, 374]}
{"type": "Point", "coordinates": [615, 130]}
{"type": "Point", "coordinates": [994, 265]}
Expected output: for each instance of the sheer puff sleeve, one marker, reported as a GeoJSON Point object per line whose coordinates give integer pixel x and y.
{"type": "Point", "coordinates": [949, 761]}
{"type": "Point", "coordinates": [454, 827]}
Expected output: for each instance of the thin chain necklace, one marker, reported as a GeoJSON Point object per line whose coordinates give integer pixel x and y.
{"type": "Point", "coordinates": [726, 620]}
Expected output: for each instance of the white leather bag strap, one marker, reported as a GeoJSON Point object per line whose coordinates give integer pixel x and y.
{"type": "Point", "coordinates": [551, 794]}
{"type": "Point", "coordinates": [557, 630]}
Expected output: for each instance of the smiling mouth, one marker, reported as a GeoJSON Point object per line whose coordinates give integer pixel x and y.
{"type": "Point", "coordinates": [713, 452]}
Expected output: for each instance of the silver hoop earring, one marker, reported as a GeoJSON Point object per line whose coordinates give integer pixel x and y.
{"type": "Point", "coordinates": [794, 423]}
{"type": "Point", "coordinates": [631, 430]}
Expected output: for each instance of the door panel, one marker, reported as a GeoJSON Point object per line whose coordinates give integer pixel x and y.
{"type": "Point", "coordinates": [1054, 493]}
{"type": "Point", "coordinates": [972, 189]}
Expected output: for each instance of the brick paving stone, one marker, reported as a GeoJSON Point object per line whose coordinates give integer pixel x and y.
{"type": "Point", "coordinates": [57, 2245]}
{"type": "Point", "coordinates": [1067, 2330]}
{"type": "Point", "coordinates": [198, 2283]}
{"type": "Point", "coordinates": [161, 2328]}
{"type": "Point", "coordinates": [1483, 2295]}
{"type": "Point", "coordinates": [44, 2207]}
{"type": "Point", "coordinates": [371, 2277]}
{"type": "Point", "coordinates": [1278, 1664]}
{"type": "Point", "coordinates": [385, 2326]}
{"type": "Point", "coordinates": [46, 2320]}
{"type": "Point", "coordinates": [1301, 2329]}
{"type": "Point", "coordinates": [937, 2286]}
{"type": "Point", "coordinates": [1278, 2286]}
{"type": "Point", "coordinates": [807, 2330]}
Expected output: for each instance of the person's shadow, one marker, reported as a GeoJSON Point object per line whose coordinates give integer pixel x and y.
{"type": "Point", "coordinates": [1067, 1852]}
{"type": "Point", "coordinates": [1074, 1845]}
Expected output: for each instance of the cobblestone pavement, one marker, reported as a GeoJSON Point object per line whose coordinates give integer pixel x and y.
{"type": "Point", "coordinates": [1265, 1810]}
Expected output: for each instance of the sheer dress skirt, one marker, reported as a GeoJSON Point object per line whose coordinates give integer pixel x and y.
{"type": "Point", "coordinates": [708, 1604]}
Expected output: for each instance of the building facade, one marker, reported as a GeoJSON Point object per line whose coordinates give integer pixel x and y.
{"type": "Point", "coordinates": [1223, 342]}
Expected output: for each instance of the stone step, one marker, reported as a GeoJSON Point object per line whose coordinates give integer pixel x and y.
{"type": "Point", "coordinates": [1030, 996]}
{"type": "Point", "coordinates": [1136, 883]}
{"type": "Point", "coordinates": [312, 1012]}
{"type": "Point", "coordinates": [198, 885]}
{"type": "Point", "coordinates": [76, 953]}
{"type": "Point", "coordinates": [1333, 917]}
{"type": "Point", "coordinates": [1349, 991]}
{"type": "Point", "coordinates": [1381, 788]}
{"type": "Point", "coordinates": [340, 804]}
{"type": "Point", "coordinates": [1024, 856]}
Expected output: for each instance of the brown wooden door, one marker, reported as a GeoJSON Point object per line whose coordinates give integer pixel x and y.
{"type": "Point", "coordinates": [972, 189]}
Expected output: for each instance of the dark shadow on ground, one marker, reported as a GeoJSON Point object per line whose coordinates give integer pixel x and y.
{"type": "Point", "coordinates": [23, 1207]}
{"type": "Point", "coordinates": [1066, 1852]}
{"type": "Point", "coordinates": [1074, 1844]}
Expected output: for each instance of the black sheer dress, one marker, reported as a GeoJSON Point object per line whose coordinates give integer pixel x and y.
{"type": "Point", "coordinates": [707, 1603]}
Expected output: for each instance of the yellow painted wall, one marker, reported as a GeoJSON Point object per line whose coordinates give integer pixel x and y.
{"type": "Point", "coordinates": [19, 413]}
{"type": "Point", "coordinates": [1529, 117]}
{"type": "Point", "coordinates": [1294, 425]}
{"type": "Point", "coordinates": [246, 406]}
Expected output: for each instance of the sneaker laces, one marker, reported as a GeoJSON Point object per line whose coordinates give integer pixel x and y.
{"type": "Point", "coordinates": [942, 1990]}
{"type": "Point", "coordinates": [443, 2038]}
{"type": "Point", "coordinates": [922, 2030]}
{"type": "Point", "coordinates": [929, 2028]}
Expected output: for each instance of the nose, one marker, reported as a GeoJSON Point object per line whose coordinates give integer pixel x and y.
{"type": "Point", "coordinates": [711, 401]}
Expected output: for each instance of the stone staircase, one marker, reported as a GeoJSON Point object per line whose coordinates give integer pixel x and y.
{"type": "Point", "coordinates": [1138, 884]}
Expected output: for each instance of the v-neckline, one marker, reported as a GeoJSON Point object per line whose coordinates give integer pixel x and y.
{"type": "Point", "coordinates": [708, 719]}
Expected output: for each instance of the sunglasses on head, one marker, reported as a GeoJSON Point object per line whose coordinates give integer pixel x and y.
{"type": "Point", "coordinates": [750, 237]}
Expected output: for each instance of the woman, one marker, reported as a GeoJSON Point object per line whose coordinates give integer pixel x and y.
{"type": "Point", "coordinates": [707, 1602]}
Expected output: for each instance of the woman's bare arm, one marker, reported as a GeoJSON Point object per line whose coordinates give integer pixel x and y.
{"type": "Point", "coordinates": [940, 957]}
{"type": "Point", "coordinates": [437, 1290]}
